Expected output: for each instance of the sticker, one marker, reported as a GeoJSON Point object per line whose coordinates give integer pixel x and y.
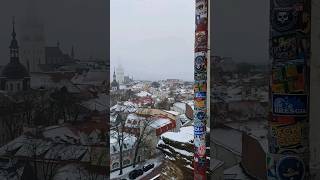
{"type": "Point", "coordinates": [201, 41]}
{"type": "Point", "coordinates": [199, 130]}
{"type": "Point", "coordinates": [271, 167]}
{"type": "Point", "coordinates": [200, 86]}
{"type": "Point", "coordinates": [200, 76]}
{"type": "Point", "coordinates": [198, 123]}
{"type": "Point", "coordinates": [201, 24]}
{"type": "Point", "coordinates": [200, 115]}
{"type": "Point", "coordinates": [199, 141]}
{"type": "Point", "coordinates": [202, 8]}
{"type": "Point", "coordinates": [201, 150]}
{"type": "Point", "coordinates": [284, 19]}
{"type": "Point", "coordinates": [290, 168]}
{"type": "Point", "coordinates": [287, 119]}
{"type": "Point", "coordinates": [200, 95]}
{"type": "Point", "coordinates": [200, 104]}
{"type": "Point", "coordinates": [200, 64]}
{"type": "Point", "coordinates": [289, 77]}
{"type": "Point", "coordinates": [288, 135]}
{"type": "Point", "coordinates": [289, 104]}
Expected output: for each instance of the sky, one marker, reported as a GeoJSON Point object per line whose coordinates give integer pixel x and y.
{"type": "Point", "coordinates": [81, 23]}
{"type": "Point", "coordinates": [153, 39]}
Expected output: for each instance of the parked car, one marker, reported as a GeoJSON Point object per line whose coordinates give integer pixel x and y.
{"type": "Point", "coordinates": [135, 173]}
{"type": "Point", "coordinates": [148, 167]}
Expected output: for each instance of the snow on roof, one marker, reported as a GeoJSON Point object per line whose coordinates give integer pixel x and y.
{"type": "Point", "coordinates": [180, 105]}
{"type": "Point", "coordinates": [60, 133]}
{"type": "Point", "coordinates": [129, 142]}
{"type": "Point", "coordinates": [160, 122]}
{"type": "Point", "coordinates": [125, 107]}
{"type": "Point", "coordinates": [143, 94]}
{"type": "Point", "coordinates": [185, 135]}
{"type": "Point", "coordinates": [256, 129]}
{"type": "Point", "coordinates": [173, 112]}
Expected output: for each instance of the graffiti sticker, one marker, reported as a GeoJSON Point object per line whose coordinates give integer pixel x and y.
{"type": "Point", "coordinates": [288, 137]}
{"type": "Point", "coordinates": [200, 76]}
{"type": "Point", "coordinates": [201, 8]}
{"type": "Point", "coordinates": [289, 77]}
{"type": "Point", "coordinates": [200, 115]}
{"type": "Point", "coordinates": [200, 95]}
{"type": "Point", "coordinates": [199, 130]}
{"type": "Point", "coordinates": [289, 104]}
{"type": "Point", "coordinates": [200, 104]}
{"type": "Point", "coordinates": [290, 168]}
{"type": "Point", "coordinates": [200, 86]}
{"type": "Point", "coordinates": [201, 41]}
{"type": "Point", "coordinates": [201, 24]}
{"type": "Point", "coordinates": [201, 150]}
{"type": "Point", "coordinates": [284, 19]}
{"type": "Point", "coordinates": [200, 64]}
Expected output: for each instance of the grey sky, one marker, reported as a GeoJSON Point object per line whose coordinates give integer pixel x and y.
{"type": "Point", "coordinates": [81, 23]}
{"type": "Point", "coordinates": [241, 29]}
{"type": "Point", "coordinates": [153, 39]}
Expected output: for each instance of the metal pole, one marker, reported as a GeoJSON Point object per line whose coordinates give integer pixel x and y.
{"type": "Point", "coordinates": [288, 157]}
{"type": "Point", "coordinates": [200, 89]}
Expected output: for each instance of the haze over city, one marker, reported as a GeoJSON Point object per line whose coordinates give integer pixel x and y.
{"type": "Point", "coordinates": [154, 40]}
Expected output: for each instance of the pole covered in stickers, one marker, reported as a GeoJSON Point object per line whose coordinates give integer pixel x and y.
{"type": "Point", "coordinates": [288, 136]}
{"type": "Point", "coordinates": [200, 89]}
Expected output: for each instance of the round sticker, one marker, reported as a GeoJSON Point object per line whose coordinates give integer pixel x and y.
{"type": "Point", "coordinates": [290, 168]}
{"type": "Point", "coordinates": [200, 115]}
{"type": "Point", "coordinates": [200, 64]}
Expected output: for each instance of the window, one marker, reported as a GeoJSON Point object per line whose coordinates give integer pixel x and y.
{"type": "Point", "coordinates": [126, 162]}
{"type": "Point", "coordinates": [115, 165]}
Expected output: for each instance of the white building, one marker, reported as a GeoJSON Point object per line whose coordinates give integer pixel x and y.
{"type": "Point", "coordinates": [120, 74]}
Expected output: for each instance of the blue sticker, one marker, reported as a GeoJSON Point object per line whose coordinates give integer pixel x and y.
{"type": "Point", "coordinates": [290, 168]}
{"type": "Point", "coordinates": [290, 104]}
{"type": "Point", "coordinates": [201, 95]}
{"type": "Point", "coordinates": [200, 115]}
{"type": "Point", "coordinates": [199, 130]}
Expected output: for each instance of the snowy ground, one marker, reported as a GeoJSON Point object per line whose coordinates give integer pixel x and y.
{"type": "Point", "coordinates": [115, 175]}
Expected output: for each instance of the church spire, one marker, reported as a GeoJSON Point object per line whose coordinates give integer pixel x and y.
{"type": "Point", "coordinates": [14, 48]}
{"type": "Point", "coordinates": [114, 74]}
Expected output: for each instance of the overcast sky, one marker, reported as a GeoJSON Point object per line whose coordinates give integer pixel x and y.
{"type": "Point", "coordinates": [81, 23]}
{"type": "Point", "coordinates": [153, 39]}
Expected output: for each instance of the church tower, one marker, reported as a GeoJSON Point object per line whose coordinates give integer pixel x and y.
{"type": "Point", "coordinates": [32, 38]}
{"type": "Point", "coordinates": [14, 76]}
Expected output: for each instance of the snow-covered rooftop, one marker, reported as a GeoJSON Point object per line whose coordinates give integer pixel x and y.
{"type": "Point", "coordinates": [160, 122]}
{"type": "Point", "coordinates": [185, 135]}
{"type": "Point", "coordinates": [143, 94]}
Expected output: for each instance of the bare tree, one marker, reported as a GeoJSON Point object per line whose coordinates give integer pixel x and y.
{"type": "Point", "coordinates": [120, 135]}
{"type": "Point", "coordinates": [142, 138]}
